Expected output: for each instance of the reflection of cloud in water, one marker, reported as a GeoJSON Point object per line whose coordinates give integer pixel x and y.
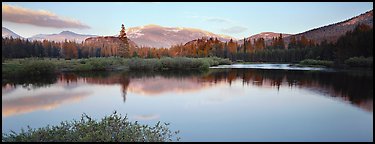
{"type": "Point", "coordinates": [44, 101]}
{"type": "Point", "coordinates": [159, 85]}
{"type": "Point", "coordinates": [146, 117]}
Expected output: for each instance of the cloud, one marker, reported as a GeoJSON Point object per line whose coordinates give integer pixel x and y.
{"type": "Point", "coordinates": [211, 19]}
{"type": "Point", "coordinates": [218, 20]}
{"type": "Point", "coordinates": [38, 18]}
{"type": "Point", "coordinates": [234, 29]}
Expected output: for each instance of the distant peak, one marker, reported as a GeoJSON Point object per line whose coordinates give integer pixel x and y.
{"type": "Point", "coordinates": [269, 33]}
{"type": "Point", "coordinates": [67, 32]}
{"type": "Point", "coordinates": [4, 28]}
{"type": "Point", "coordinates": [152, 25]}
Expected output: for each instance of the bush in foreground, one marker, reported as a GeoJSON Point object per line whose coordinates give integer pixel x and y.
{"type": "Point", "coordinates": [360, 62]}
{"type": "Point", "coordinates": [113, 128]}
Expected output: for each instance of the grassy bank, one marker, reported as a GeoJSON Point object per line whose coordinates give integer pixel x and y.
{"type": "Point", "coordinates": [35, 66]}
{"type": "Point", "coordinates": [360, 62]}
{"type": "Point", "coordinates": [113, 128]}
{"type": "Point", "coordinates": [351, 63]}
{"type": "Point", "coordinates": [316, 63]}
{"type": "Point", "coordinates": [180, 63]}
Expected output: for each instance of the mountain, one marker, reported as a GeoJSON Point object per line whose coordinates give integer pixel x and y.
{"type": "Point", "coordinates": [333, 31]}
{"type": "Point", "coordinates": [70, 36]}
{"type": "Point", "coordinates": [159, 36]}
{"type": "Point", "coordinates": [8, 33]}
{"type": "Point", "coordinates": [266, 35]}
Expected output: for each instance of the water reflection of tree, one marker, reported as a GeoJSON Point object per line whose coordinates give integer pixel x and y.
{"type": "Point", "coordinates": [30, 82]}
{"type": "Point", "coordinates": [68, 78]}
{"type": "Point", "coordinates": [108, 78]}
{"type": "Point", "coordinates": [125, 81]}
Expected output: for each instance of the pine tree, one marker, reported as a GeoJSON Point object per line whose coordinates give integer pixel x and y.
{"type": "Point", "coordinates": [281, 44]}
{"type": "Point", "coordinates": [244, 45]}
{"type": "Point", "coordinates": [135, 54]}
{"type": "Point", "coordinates": [293, 43]}
{"type": "Point", "coordinates": [124, 49]}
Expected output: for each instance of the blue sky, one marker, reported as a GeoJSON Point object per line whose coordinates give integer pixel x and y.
{"type": "Point", "coordinates": [235, 19]}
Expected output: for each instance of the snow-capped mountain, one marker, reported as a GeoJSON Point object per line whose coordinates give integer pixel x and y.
{"type": "Point", "coordinates": [68, 35]}
{"type": "Point", "coordinates": [159, 36]}
{"type": "Point", "coordinates": [8, 33]}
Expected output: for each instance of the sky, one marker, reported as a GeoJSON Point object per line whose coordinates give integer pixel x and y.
{"type": "Point", "coordinates": [236, 19]}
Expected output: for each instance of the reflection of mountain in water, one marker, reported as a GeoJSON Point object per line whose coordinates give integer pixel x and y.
{"type": "Point", "coordinates": [353, 87]}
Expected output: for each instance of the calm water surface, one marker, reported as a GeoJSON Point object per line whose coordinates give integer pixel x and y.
{"type": "Point", "coordinates": [219, 105]}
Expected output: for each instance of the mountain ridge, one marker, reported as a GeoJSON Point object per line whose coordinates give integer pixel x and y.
{"type": "Point", "coordinates": [9, 33]}
{"type": "Point", "coordinates": [332, 32]}
{"type": "Point", "coordinates": [68, 35]}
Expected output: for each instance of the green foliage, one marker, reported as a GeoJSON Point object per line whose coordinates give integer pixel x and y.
{"type": "Point", "coordinates": [113, 128]}
{"type": "Point", "coordinates": [360, 62]}
{"type": "Point", "coordinates": [313, 62]}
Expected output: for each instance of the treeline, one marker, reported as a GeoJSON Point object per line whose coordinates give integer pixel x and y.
{"type": "Point", "coordinates": [358, 42]}
{"type": "Point", "coordinates": [21, 48]}
{"type": "Point", "coordinates": [24, 48]}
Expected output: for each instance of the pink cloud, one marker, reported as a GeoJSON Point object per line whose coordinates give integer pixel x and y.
{"type": "Point", "coordinates": [41, 18]}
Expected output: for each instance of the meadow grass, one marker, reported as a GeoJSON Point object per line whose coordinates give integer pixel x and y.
{"type": "Point", "coordinates": [34, 66]}
{"type": "Point", "coordinates": [316, 63]}
{"type": "Point", "coordinates": [360, 62]}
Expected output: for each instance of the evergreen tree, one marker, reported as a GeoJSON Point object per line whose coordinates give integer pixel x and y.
{"type": "Point", "coordinates": [135, 54]}
{"type": "Point", "coordinates": [293, 43]}
{"type": "Point", "coordinates": [281, 44]}
{"type": "Point", "coordinates": [124, 49]}
{"type": "Point", "coordinates": [244, 45]}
